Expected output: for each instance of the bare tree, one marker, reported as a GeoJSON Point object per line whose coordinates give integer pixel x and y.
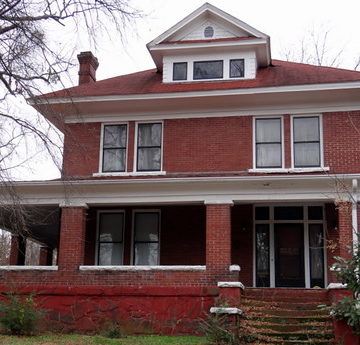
{"type": "Point", "coordinates": [31, 63]}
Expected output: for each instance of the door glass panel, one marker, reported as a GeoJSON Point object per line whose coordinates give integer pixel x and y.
{"type": "Point", "coordinates": [289, 255]}
{"type": "Point", "coordinates": [262, 255]}
{"type": "Point", "coordinates": [316, 246]}
{"type": "Point", "coordinates": [288, 213]}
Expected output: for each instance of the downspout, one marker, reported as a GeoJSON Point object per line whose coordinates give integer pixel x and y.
{"type": "Point", "coordinates": [354, 213]}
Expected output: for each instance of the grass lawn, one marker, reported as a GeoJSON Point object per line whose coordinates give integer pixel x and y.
{"type": "Point", "coordinates": [100, 340]}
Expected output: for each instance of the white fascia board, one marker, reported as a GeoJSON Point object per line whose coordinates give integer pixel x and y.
{"type": "Point", "coordinates": [208, 93]}
{"type": "Point", "coordinates": [207, 45]}
{"type": "Point", "coordinates": [214, 10]}
{"type": "Point", "coordinates": [171, 180]}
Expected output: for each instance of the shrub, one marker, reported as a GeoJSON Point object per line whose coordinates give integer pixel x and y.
{"type": "Point", "coordinates": [18, 314]}
{"type": "Point", "coordinates": [114, 331]}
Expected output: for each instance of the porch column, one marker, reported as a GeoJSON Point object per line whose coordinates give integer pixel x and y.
{"type": "Point", "coordinates": [17, 250]}
{"type": "Point", "coordinates": [218, 238]}
{"type": "Point", "coordinates": [45, 256]}
{"type": "Point", "coordinates": [345, 228]}
{"type": "Point", "coordinates": [72, 238]}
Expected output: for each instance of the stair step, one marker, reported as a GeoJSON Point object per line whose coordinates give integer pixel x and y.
{"type": "Point", "coordinates": [287, 316]}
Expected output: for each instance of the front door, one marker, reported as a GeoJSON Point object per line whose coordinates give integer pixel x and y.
{"type": "Point", "coordinates": [289, 245]}
{"type": "Point", "coordinates": [289, 255]}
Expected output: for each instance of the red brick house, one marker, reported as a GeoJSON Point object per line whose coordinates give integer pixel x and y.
{"type": "Point", "coordinates": [219, 165]}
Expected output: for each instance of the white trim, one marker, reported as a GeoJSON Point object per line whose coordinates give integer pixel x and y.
{"type": "Point", "coordinates": [255, 169]}
{"type": "Point", "coordinates": [320, 117]}
{"type": "Point", "coordinates": [131, 173]}
{"type": "Point", "coordinates": [225, 310]}
{"type": "Point", "coordinates": [28, 268]}
{"type": "Point", "coordinates": [240, 112]}
{"type": "Point", "coordinates": [132, 250]}
{"type": "Point", "coordinates": [97, 242]}
{"type": "Point", "coordinates": [332, 286]}
{"type": "Point", "coordinates": [305, 221]}
{"type": "Point", "coordinates": [290, 170]}
{"type": "Point", "coordinates": [122, 173]}
{"type": "Point", "coordinates": [234, 268]}
{"type": "Point", "coordinates": [231, 285]}
{"type": "Point", "coordinates": [156, 172]}
{"type": "Point", "coordinates": [208, 93]}
{"type": "Point", "coordinates": [143, 268]}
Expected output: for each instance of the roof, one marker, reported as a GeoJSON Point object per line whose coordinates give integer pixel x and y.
{"type": "Point", "coordinates": [281, 73]}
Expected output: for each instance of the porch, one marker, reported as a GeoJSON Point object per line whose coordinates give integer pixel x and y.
{"type": "Point", "coordinates": [274, 244]}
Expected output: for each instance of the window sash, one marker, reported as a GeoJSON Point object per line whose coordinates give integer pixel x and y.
{"type": "Point", "coordinates": [146, 238]}
{"type": "Point", "coordinates": [268, 143]}
{"type": "Point", "coordinates": [149, 140]}
{"type": "Point", "coordinates": [208, 69]}
{"type": "Point", "coordinates": [180, 71]}
{"type": "Point", "coordinates": [110, 243]}
{"type": "Point", "coordinates": [114, 148]}
{"type": "Point", "coordinates": [306, 141]}
{"type": "Point", "coordinates": [237, 68]}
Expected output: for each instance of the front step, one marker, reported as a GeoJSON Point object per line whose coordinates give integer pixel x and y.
{"type": "Point", "coordinates": [287, 316]}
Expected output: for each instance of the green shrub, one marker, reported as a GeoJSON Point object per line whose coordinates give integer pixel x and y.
{"type": "Point", "coordinates": [219, 330]}
{"type": "Point", "coordinates": [114, 331]}
{"type": "Point", "coordinates": [18, 314]}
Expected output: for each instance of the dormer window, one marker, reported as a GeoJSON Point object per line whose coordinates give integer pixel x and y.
{"type": "Point", "coordinates": [237, 68]}
{"type": "Point", "coordinates": [209, 32]}
{"type": "Point", "coordinates": [180, 71]}
{"type": "Point", "coordinates": [208, 69]}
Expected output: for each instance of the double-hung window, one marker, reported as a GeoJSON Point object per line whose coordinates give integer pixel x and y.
{"type": "Point", "coordinates": [146, 243]}
{"type": "Point", "coordinates": [110, 238]}
{"type": "Point", "coordinates": [149, 140]}
{"type": "Point", "coordinates": [306, 141]}
{"type": "Point", "coordinates": [114, 148]}
{"type": "Point", "coordinates": [268, 143]}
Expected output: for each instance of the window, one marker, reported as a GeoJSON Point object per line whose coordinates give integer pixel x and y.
{"type": "Point", "coordinates": [114, 148]}
{"type": "Point", "coordinates": [208, 69]}
{"type": "Point", "coordinates": [268, 143]}
{"type": "Point", "coordinates": [149, 138]}
{"type": "Point", "coordinates": [146, 238]}
{"type": "Point", "coordinates": [237, 68]}
{"type": "Point", "coordinates": [180, 71]}
{"type": "Point", "coordinates": [209, 32]}
{"type": "Point", "coordinates": [306, 141]}
{"type": "Point", "coordinates": [110, 238]}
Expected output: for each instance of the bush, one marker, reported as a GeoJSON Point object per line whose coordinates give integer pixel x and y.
{"type": "Point", "coordinates": [114, 331]}
{"type": "Point", "coordinates": [219, 330]}
{"type": "Point", "coordinates": [18, 315]}
{"type": "Point", "coordinates": [348, 308]}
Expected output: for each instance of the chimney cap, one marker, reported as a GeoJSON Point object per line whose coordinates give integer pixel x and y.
{"type": "Point", "coordinates": [88, 57]}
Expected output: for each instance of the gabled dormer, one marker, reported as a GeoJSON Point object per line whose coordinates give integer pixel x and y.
{"type": "Point", "coordinates": [210, 44]}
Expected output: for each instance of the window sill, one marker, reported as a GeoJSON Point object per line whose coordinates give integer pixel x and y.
{"type": "Point", "coordinates": [142, 268]}
{"type": "Point", "coordinates": [134, 173]}
{"type": "Point", "coordinates": [290, 170]}
{"type": "Point", "coordinates": [28, 268]}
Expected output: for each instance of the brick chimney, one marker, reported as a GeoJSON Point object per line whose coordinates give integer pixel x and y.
{"type": "Point", "coordinates": [87, 69]}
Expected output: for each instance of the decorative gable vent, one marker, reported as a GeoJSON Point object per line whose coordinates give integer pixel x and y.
{"type": "Point", "coordinates": [209, 32]}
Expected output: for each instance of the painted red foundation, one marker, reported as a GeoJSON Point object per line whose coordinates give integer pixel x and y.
{"type": "Point", "coordinates": [137, 309]}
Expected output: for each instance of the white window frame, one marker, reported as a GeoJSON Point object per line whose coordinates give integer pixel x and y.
{"type": "Point", "coordinates": [256, 169]}
{"type": "Point", "coordinates": [146, 210]}
{"type": "Point", "coordinates": [156, 172]}
{"type": "Point", "coordinates": [98, 232]}
{"type": "Point", "coordinates": [321, 166]}
{"type": "Point", "coordinates": [121, 173]}
{"type": "Point", "coordinates": [304, 221]}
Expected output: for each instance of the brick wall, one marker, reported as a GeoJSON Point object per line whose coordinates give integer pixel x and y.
{"type": "Point", "coordinates": [218, 144]}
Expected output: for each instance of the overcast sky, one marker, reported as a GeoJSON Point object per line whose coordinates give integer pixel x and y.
{"type": "Point", "coordinates": [286, 22]}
